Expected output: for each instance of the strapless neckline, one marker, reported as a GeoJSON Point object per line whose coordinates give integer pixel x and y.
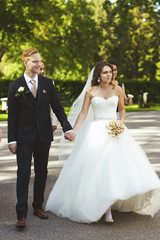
{"type": "Point", "coordinates": [103, 98]}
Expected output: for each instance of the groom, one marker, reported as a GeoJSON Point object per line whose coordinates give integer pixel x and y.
{"type": "Point", "coordinates": [30, 131]}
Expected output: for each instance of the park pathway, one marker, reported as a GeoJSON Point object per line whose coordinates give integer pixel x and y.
{"type": "Point", "coordinates": [145, 128]}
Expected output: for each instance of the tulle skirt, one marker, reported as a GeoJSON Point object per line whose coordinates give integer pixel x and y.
{"type": "Point", "coordinates": [102, 172]}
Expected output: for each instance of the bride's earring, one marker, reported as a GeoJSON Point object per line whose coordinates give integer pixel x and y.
{"type": "Point", "coordinates": [98, 80]}
{"type": "Point", "coordinates": [108, 216]}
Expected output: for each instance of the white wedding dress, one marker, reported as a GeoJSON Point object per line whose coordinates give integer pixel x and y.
{"type": "Point", "coordinates": [103, 171]}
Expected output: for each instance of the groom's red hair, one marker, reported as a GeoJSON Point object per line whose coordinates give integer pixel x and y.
{"type": "Point", "coordinates": [28, 52]}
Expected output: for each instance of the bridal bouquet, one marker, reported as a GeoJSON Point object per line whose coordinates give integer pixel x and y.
{"type": "Point", "coordinates": [115, 128]}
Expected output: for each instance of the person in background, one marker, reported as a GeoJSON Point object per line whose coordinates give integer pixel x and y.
{"type": "Point", "coordinates": [127, 100]}
{"type": "Point", "coordinates": [42, 69]}
{"type": "Point", "coordinates": [42, 72]}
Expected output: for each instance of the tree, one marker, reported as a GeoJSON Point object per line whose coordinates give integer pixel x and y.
{"type": "Point", "coordinates": [131, 37]}
{"type": "Point", "coordinates": [16, 24]}
{"type": "Point", "coordinates": [72, 35]}
{"type": "Point", "coordinates": [64, 32]}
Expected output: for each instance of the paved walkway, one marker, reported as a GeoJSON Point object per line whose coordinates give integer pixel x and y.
{"type": "Point", "coordinates": [145, 128]}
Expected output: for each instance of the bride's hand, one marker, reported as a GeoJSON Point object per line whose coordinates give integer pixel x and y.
{"type": "Point", "coordinates": [70, 136]}
{"type": "Point", "coordinates": [122, 122]}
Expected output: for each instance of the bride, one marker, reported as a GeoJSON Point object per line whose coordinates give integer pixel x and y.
{"type": "Point", "coordinates": [102, 172]}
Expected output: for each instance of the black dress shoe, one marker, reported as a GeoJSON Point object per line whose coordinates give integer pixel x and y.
{"type": "Point", "coordinates": [21, 223]}
{"type": "Point", "coordinates": [41, 214]}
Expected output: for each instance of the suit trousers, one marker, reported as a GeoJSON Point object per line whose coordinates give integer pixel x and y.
{"type": "Point", "coordinates": [40, 152]}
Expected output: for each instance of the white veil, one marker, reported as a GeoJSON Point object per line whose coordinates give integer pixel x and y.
{"type": "Point", "coordinates": [65, 147]}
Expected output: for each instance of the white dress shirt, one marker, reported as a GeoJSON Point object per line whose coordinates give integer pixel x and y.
{"type": "Point", "coordinates": [28, 81]}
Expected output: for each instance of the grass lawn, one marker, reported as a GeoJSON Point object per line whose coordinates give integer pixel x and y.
{"type": "Point", "coordinates": [67, 109]}
{"type": "Point", "coordinates": [3, 116]}
{"type": "Point", "coordinates": [134, 108]}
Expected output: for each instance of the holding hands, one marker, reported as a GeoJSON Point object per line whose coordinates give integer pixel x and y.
{"type": "Point", "coordinates": [70, 136]}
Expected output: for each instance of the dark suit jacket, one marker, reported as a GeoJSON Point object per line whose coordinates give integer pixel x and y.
{"type": "Point", "coordinates": [29, 116]}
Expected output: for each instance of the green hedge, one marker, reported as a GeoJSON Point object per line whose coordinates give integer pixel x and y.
{"type": "Point", "coordinates": [73, 88]}
{"type": "Point", "coordinates": [4, 85]}
{"type": "Point", "coordinates": [69, 90]}
{"type": "Point", "coordinates": [136, 88]}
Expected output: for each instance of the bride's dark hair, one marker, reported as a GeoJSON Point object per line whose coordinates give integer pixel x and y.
{"type": "Point", "coordinates": [98, 69]}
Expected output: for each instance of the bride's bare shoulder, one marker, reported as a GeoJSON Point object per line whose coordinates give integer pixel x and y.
{"type": "Point", "coordinates": [90, 91]}
{"type": "Point", "coordinates": [118, 89]}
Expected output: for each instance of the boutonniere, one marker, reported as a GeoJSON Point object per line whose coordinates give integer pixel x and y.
{"type": "Point", "coordinates": [22, 92]}
{"type": "Point", "coordinates": [44, 91]}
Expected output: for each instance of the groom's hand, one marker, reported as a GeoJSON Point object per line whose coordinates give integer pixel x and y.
{"type": "Point", "coordinates": [13, 147]}
{"type": "Point", "coordinates": [70, 136]}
